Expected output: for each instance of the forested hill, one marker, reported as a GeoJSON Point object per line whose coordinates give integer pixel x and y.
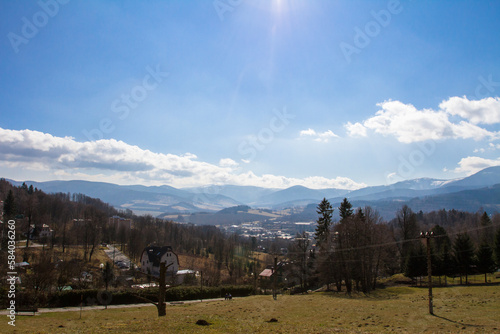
{"type": "Point", "coordinates": [29, 205]}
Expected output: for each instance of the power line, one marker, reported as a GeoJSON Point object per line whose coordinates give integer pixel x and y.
{"type": "Point", "coordinates": [396, 242]}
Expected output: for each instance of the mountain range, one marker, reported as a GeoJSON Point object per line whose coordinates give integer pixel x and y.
{"type": "Point", "coordinates": [473, 193]}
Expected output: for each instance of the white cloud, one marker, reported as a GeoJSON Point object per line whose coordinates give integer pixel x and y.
{"type": "Point", "coordinates": [229, 163]}
{"type": "Point", "coordinates": [318, 136]}
{"type": "Point", "coordinates": [355, 130]}
{"type": "Point", "coordinates": [471, 165]}
{"type": "Point", "coordinates": [485, 111]}
{"type": "Point", "coordinates": [408, 124]}
{"type": "Point", "coordinates": [391, 177]}
{"type": "Point", "coordinates": [116, 161]}
{"type": "Point", "coordinates": [308, 132]}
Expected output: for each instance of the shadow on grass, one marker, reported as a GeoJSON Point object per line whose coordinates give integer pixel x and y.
{"type": "Point", "coordinates": [456, 322]}
{"type": "Point", "coordinates": [377, 294]}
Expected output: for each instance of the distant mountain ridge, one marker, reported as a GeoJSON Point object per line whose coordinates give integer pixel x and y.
{"type": "Point", "coordinates": [165, 199]}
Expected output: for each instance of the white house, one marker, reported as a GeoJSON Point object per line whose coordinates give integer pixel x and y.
{"type": "Point", "coordinates": [45, 231]}
{"type": "Point", "coordinates": [152, 256]}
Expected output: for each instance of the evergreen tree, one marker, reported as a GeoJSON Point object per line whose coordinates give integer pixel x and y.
{"type": "Point", "coordinates": [360, 215]}
{"type": "Point", "coordinates": [485, 262]}
{"type": "Point", "coordinates": [343, 237]}
{"type": "Point", "coordinates": [416, 262]}
{"type": "Point", "coordinates": [409, 230]}
{"type": "Point", "coordinates": [9, 205]}
{"type": "Point", "coordinates": [325, 259]}
{"type": "Point", "coordinates": [440, 239]}
{"type": "Point", "coordinates": [345, 210]}
{"type": "Point", "coordinates": [107, 274]}
{"type": "Point", "coordinates": [324, 221]}
{"type": "Point", "coordinates": [447, 263]}
{"type": "Point", "coordinates": [440, 248]}
{"type": "Point", "coordinates": [487, 234]}
{"type": "Point", "coordinates": [463, 250]}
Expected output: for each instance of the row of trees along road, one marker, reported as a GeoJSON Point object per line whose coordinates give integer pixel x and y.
{"type": "Point", "coordinates": [358, 248]}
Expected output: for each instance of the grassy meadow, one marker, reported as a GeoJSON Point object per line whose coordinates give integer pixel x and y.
{"type": "Point", "coordinates": [473, 309]}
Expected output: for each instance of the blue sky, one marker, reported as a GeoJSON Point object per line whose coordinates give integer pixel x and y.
{"type": "Point", "coordinates": [271, 93]}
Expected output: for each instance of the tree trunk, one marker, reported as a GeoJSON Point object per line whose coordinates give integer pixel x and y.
{"type": "Point", "coordinates": [162, 311]}
{"type": "Point", "coordinates": [91, 252]}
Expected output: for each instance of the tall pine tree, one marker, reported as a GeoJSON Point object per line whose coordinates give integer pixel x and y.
{"type": "Point", "coordinates": [485, 262]}
{"type": "Point", "coordinates": [464, 255]}
{"type": "Point", "coordinates": [9, 205]}
{"type": "Point", "coordinates": [345, 210]}
{"type": "Point", "coordinates": [488, 232]}
{"type": "Point", "coordinates": [324, 221]}
{"type": "Point", "coordinates": [497, 248]}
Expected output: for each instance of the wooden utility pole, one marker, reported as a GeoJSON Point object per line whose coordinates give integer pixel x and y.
{"type": "Point", "coordinates": [428, 236]}
{"type": "Point", "coordinates": [162, 311]}
{"type": "Point", "coordinates": [161, 293]}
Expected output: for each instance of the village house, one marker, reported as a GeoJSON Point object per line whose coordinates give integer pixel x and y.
{"type": "Point", "coordinates": [81, 222]}
{"type": "Point", "coordinates": [45, 232]}
{"type": "Point", "coordinates": [284, 275]}
{"type": "Point", "coordinates": [38, 232]}
{"type": "Point", "coordinates": [152, 256]}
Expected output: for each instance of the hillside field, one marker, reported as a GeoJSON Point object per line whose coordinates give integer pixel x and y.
{"type": "Point", "coordinates": [473, 309]}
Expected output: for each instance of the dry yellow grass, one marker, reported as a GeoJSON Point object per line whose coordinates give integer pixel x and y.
{"type": "Point", "coordinates": [98, 256]}
{"type": "Point", "coordinates": [398, 309]}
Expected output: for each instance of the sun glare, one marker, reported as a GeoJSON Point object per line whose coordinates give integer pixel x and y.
{"type": "Point", "coordinates": [277, 5]}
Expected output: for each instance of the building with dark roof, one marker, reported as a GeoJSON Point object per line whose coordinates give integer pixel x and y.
{"type": "Point", "coordinates": [152, 256]}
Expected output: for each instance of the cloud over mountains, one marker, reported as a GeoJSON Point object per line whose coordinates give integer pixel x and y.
{"type": "Point", "coordinates": [117, 161]}
{"type": "Point", "coordinates": [409, 124]}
